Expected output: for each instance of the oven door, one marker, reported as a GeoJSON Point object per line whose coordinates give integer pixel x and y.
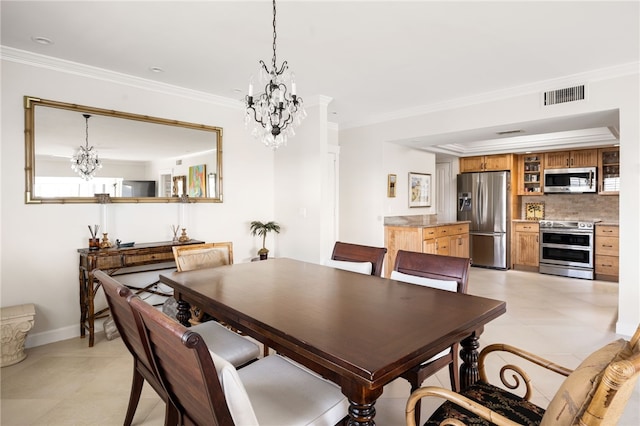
{"type": "Point", "coordinates": [566, 247]}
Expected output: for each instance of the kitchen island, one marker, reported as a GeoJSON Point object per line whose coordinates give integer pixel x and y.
{"type": "Point", "coordinates": [426, 234]}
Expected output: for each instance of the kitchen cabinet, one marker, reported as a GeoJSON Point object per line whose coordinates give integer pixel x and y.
{"type": "Point", "coordinates": [609, 171]}
{"type": "Point", "coordinates": [567, 159]}
{"type": "Point", "coordinates": [486, 163]}
{"type": "Point", "coordinates": [526, 246]}
{"type": "Point", "coordinates": [530, 167]}
{"type": "Point", "coordinates": [446, 240]}
{"type": "Point", "coordinates": [449, 240]}
{"type": "Point", "coordinates": [607, 260]}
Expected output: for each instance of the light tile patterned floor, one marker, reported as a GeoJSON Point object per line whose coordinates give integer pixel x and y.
{"type": "Point", "coordinates": [67, 383]}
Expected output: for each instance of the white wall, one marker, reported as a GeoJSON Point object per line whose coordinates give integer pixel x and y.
{"type": "Point", "coordinates": [366, 159]}
{"type": "Point", "coordinates": [39, 242]}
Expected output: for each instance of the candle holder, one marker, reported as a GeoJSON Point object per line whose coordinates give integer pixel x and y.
{"type": "Point", "coordinates": [105, 241]}
{"type": "Point", "coordinates": [184, 238]}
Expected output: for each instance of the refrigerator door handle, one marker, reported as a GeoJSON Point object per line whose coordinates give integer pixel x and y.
{"type": "Point", "coordinates": [487, 234]}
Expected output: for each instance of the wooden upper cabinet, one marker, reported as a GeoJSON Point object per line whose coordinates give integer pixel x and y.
{"type": "Point", "coordinates": [471, 164]}
{"type": "Point", "coordinates": [566, 159]}
{"type": "Point", "coordinates": [486, 163]}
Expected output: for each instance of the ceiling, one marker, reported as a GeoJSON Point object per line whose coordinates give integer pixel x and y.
{"type": "Point", "coordinates": [375, 59]}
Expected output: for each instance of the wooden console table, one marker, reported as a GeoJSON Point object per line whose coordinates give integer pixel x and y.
{"type": "Point", "coordinates": [148, 256]}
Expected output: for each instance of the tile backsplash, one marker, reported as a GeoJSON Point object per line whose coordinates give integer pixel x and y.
{"type": "Point", "coordinates": [576, 206]}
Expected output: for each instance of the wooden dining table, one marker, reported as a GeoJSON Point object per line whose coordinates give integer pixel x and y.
{"type": "Point", "coordinates": [359, 331]}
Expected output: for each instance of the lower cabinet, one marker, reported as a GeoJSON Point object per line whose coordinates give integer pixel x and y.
{"type": "Point", "coordinates": [526, 246]}
{"type": "Point", "coordinates": [446, 240]}
{"type": "Point", "coordinates": [607, 252]}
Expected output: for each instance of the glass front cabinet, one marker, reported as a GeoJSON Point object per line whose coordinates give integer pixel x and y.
{"type": "Point", "coordinates": [531, 177]}
{"type": "Point", "coordinates": [609, 171]}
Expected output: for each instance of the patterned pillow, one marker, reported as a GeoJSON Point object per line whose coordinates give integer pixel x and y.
{"type": "Point", "coordinates": [576, 392]}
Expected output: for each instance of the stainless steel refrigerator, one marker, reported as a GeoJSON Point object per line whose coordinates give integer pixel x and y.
{"type": "Point", "coordinates": [483, 199]}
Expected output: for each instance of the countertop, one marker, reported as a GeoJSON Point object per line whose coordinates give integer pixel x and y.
{"type": "Point", "coordinates": [420, 221]}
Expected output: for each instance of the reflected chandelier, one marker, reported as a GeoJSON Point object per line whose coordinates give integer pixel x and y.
{"type": "Point", "coordinates": [85, 161]}
{"type": "Point", "coordinates": [278, 110]}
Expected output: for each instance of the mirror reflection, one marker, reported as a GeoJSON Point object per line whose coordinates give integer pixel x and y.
{"type": "Point", "coordinates": [141, 158]}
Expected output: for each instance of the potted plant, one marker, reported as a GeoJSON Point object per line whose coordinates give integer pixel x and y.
{"type": "Point", "coordinates": [262, 229]}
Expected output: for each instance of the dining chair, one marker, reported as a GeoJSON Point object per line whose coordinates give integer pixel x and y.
{"type": "Point", "coordinates": [594, 394]}
{"type": "Point", "coordinates": [435, 271]}
{"type": "Point", "coordinates": [357, 258]}
{"type": "Point", "coordinates": [199, 256]}
{"type": "Point", "coordinates": [206, 255]}
{"type": "Point", "coordinates": [236, 349]}
{"type": "Point", "coordinates": [207, 390]}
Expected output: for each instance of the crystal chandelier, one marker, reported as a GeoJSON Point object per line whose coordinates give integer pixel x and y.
{"type": "Point", "coordinates": [85, 161]}
{"type": "Point", "coordinates": [274, 113]}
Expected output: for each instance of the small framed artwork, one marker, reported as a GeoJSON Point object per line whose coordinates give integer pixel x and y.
{"type": "Point", "coordinates": [197, 181]}
{"type": "Point", "coordinates": [534, 211]}
{"type": "Point", "coordinates": [179, 186]}
{"type": "Point", "coordinates": [419, 190]}
{"type": "Point", "coordinates": [391, 186]}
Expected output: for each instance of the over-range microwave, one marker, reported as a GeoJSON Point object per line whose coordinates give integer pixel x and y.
{"type": "Point", "coordinates": [570, 181]}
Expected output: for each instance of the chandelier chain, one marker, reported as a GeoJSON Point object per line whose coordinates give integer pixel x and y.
{"type": "Point", "coordinates": [273, 61]}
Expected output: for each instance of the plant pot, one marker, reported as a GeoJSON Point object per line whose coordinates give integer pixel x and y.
{"type": "Point", "coordinates": [264, 256]}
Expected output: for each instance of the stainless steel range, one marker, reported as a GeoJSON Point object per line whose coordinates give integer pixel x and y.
{"type": "Point", "coordinates": [566, 248]}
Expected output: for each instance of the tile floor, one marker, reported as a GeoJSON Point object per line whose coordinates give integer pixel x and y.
{"type": "Point", "coordinates": [67, 383]}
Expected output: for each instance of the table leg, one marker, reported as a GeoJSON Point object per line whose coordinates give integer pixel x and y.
{"type": "Point", "coordinates": [91, 317]}
{"type": "Point", "coordinates": [184, 312]}
{"type": "Point", "coordinates": [469, 373]}
{"type": "Point", "coordinates": [361, 414]}
{"type": "Point", "coordinates": [83, 301]}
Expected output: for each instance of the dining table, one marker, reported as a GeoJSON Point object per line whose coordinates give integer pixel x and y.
{"type": "Point", "coordinates": [359, 331]}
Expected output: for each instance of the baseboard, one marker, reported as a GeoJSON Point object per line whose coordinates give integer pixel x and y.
{"type": "Point", "coordinates": [64, 333]}
{"type": "Point", "coordinates": [626, 329]}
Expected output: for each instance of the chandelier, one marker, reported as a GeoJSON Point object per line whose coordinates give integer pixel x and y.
{"type": "Point", "coordinates": [85, 161]}
{"type": "Point", "coordinates": [274, 113]}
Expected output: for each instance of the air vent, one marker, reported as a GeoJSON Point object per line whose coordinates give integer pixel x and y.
{"type": "Point", "coordinates": [509, 132]}
{"type": "Point", "coordinates": [560, 96]}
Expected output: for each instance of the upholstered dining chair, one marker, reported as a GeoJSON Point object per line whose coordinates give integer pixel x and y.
{"type": "Point", "coordinates": [207, 390]}
{"type": "Point", "coordinates": [435, 271]}
{"type": "Point", "coordinates": [594, 394]}
{"type": "Point", "coordinates": [236, 349]}
{"type": "Point", "coordinates": [206, 255]}
{"type": "Point", "coordinates": [357, 258]}
{"type": "Point", "coordinates": [199, 256]}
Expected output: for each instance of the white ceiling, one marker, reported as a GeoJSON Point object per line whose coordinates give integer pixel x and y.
{"type": "Point", "coordinates": [376, 59]}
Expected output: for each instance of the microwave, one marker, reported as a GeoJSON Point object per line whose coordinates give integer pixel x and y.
{"type": "Point", "coordinates": [573, 180]}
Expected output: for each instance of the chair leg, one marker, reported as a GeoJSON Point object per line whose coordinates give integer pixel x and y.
{"type": "Point", "coordinates": [454, 370]}
{"type": "Point", "coordinates": [134, 397]}
{"type": "Point", "coordinates": [171, 415]}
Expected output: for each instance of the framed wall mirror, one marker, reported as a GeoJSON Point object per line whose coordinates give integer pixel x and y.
{"type": "Point", "coordinates": [143, 159]}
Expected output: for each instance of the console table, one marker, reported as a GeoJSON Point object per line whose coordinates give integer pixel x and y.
{"type": "Point", "coordinates": [145, 257]}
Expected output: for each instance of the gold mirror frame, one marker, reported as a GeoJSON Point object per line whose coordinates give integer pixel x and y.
{"type": "Point", "coordinates": [30, 104]}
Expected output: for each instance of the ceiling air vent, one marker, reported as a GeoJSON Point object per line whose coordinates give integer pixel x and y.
{"type": "Point", "coordinates": [560, 96]}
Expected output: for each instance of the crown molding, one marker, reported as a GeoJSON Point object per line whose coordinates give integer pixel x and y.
{"type": "Point", "coordinates": [527, 89]}
{"type": "Point", "coordinates": [82, 70]}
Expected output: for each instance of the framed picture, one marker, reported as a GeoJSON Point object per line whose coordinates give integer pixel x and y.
{"type": "Point", "coordinates": [534, 211]}
{"type": "Point", "coordinates": [179, 186]}
{"type": "Point", "coordinates": [197, 181]}
{"type": "Point", "coordinates": [391, 186]}
{"type": "Point", "coordinates": [419, 190]}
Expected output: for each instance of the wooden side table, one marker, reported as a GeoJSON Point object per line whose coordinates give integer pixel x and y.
{"type": "Point", "coordinates": [149, 256]}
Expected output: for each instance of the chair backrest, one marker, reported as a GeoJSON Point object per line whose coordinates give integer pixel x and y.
{"type": "Point", "coordinates": [124, 318]}
{"type": "Point", "coordinates": [433, 266]}
{"type": "Point", "coordinates": [184, 365]}
{"type": "Point", "coordinates": [207, 255]}
{"type": "Point", "coordinates": [597, 392]}
{"type": "Point", "coordinates": [357, 253]}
